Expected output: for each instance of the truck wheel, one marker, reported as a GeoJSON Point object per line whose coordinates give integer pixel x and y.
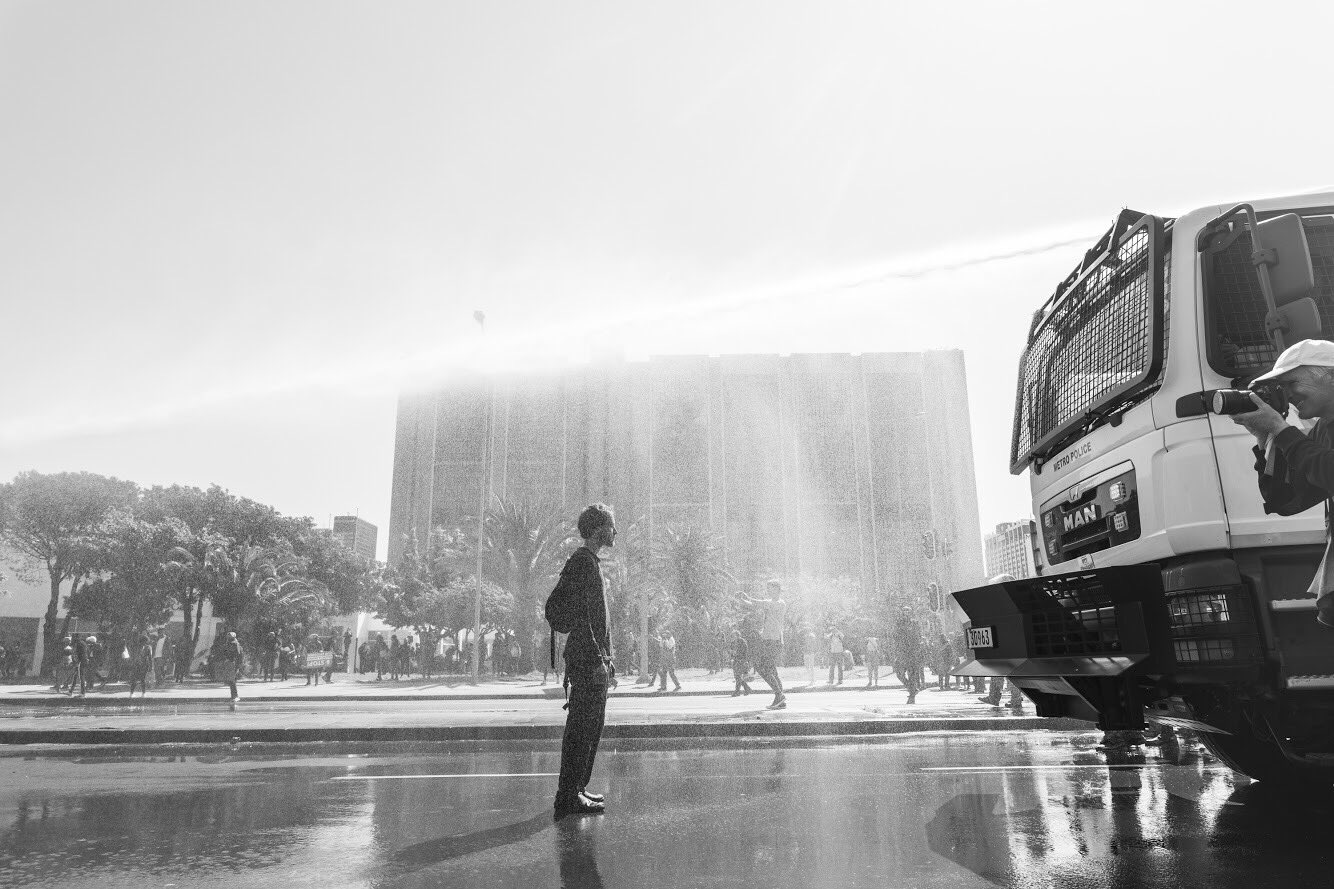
{"type": "Point", "coordinates": [1263, 761]}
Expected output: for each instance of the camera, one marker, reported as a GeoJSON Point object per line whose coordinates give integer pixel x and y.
{"type": "Point", "coordinates": [1238, 401]}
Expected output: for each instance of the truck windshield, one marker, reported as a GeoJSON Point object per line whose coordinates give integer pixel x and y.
{"type": "Point", "coordinates": [1097, 345]}
{"type": "Point", "coordinates": [1234, 306]}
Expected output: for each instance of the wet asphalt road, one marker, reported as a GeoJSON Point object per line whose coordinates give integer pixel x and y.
{"type": "Point", "coordinates": [963, 810]}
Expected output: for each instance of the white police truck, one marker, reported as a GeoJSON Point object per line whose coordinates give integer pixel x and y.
{"type": "Point", "coordinates": [1164, 592]}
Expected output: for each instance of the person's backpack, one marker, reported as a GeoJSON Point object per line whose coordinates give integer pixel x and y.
{"type": "Point", "coordinates": [566, 610]}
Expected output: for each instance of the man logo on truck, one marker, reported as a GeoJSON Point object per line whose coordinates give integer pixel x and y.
{"type": "Point", "coordinates": [1296, 471]}
{"type": "Point", "coordinates": [1081, 517]}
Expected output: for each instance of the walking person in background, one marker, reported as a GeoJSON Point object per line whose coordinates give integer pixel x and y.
{"type": "Point", "coordinates": [835, 640]}
{"type": "Point", "coordinates": [872, 662]}
{"type": "Point", "coordinates": [667, 661]}
{"type": "Point", "coordinates": [909, 657]}
{"type": "Point", "coordinates": [395, 656]}
{"type": "Point", "coordinates": [740, 663]}
{"type": "Point", "coordinates": [772, 611]}
{"type": "Point", "coordinates": [230, 661]}
{"type": "Point", "coordinates": [588, 664]}
{"type": "Point", "coordinates": [141, 665]}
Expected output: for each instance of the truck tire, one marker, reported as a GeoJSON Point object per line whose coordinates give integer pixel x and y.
{"type": "Point", "coordinates": [1263, 761]}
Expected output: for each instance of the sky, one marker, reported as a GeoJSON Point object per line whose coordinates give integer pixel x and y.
{"type": "Point", "coordinates": [231, 233]}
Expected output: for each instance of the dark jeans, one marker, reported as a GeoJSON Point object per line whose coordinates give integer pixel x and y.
{"type": "Point", "coordinates": [583, 729]}
{"type": "Point", "coordinates": [836, 664]}
{"type": "Point", "coordinates": [768, 657]}
{"type": "Point", "coordinates": [664, 671]}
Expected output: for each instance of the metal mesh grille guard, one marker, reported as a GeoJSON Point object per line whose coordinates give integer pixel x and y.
{"type": "Point", "coordinates": [1237, 308]}
{"type": "Point", "coordinates": [1097, 340]}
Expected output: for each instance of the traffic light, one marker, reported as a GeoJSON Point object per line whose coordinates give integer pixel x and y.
{"type": "Point", "coordinates": [929, 543]}
{"type": "Point", "coordinates": [934, 599]}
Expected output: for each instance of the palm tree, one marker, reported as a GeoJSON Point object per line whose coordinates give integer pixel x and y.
{"type": "Point", "coordinates": [688, 568]}
{"type": "Point", "coordinates": [525, 542]}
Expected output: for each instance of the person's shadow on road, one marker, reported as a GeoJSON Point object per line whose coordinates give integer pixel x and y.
{"type": "Point", "coordinates": [575, 848]}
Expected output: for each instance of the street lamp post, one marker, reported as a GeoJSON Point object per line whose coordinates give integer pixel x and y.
{"type": "Point", "coordinates": [483, 497]}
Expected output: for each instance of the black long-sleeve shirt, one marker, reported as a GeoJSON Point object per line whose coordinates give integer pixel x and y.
{"type": "Point", "coordinates": [1303, 470]}
{"type": "Point", "coordinates": [591, 639]}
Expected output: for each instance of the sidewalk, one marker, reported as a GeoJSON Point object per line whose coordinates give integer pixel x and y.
{"type": "Point", "coordinates": [508, 710]}
{"type": "Point", "coordinates": [354, 687]}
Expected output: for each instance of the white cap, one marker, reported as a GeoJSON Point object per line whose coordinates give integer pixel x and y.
{"type": "Point", "coordinates": [1307, 353]}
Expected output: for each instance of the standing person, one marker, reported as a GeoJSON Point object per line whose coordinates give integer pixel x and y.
{"type": "Point", "coordinates": [268, 658]}
{"type": "Point", "coordinates": [1293, 468]}
{"type": "Point", "coordinates": [68, 667]}
{"type": "Point", "coordinates": [667, 661]}
{"type": "Point", "coordinates": [944, 661]}
{"type": "Point", "coordinates": [381, 656]}
{"type": "Point", "coordinates": [872, 662]}
{"type": "Point", "coordinates": [97, 666]}
{"type": "Point", "coordinates": [810, 648]}
{"type": "Point", "coordinates": [835, 639]}
{"type": "Point", "coordinates": [349, 651]}
{"type": "Point", "coordinates": [740, 663]}
{"type": "Point", "coordinates": [229, 664]}
{"type": "Point", "coordinates": [303, 653]}
{"type": "Point", "coordinates": [286, 656]}
{"type": "Point", "coordinates": [141, 665]}
{"type": "Point", "coordinates": [184, 650]}
{"type": "Point", "coordinates": [654, 643]}
{"type": "Point", "coordinates": [772, 611]}
{"type": "Point", "coordinates": [516, 654]}
{"type": "Point", "coordinates": [82, 665]}
{"type": "Point", "coordinates": [908, 653]}
{"type": "Point", "coordinates": [588, 664]}
{"type": "Point", "coordinates": [395, 656]}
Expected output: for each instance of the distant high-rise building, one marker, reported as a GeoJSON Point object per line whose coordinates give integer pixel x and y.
{"type": "Point", "coordinates": [356, 534]}
{"type": "Point", "coordinates": [804, 465]}
{"type": "Point", "coordinates": [1010, 550]}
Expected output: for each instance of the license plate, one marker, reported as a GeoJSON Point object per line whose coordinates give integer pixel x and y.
{"type": "Point", "coordinates": [980, 637]}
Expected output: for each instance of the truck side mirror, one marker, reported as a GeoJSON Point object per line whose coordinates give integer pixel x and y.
{"type": "Point", "coordinates": [1299, 320]}
{"type": "Point", "coordinates": [1282, 242]}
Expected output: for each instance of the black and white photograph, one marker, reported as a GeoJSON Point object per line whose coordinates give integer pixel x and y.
{"type": "Point", "coordinates": [585, 444]}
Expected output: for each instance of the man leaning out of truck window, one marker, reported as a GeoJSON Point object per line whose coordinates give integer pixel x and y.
{"type": "Point", "coordinates": [1296, 469]}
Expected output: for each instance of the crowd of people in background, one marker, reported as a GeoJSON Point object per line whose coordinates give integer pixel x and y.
{"type": "Point", "coordinates": [153, 657]}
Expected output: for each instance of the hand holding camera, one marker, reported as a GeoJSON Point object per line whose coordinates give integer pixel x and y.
{"type": "Point", "coordinates": [1262, 411]}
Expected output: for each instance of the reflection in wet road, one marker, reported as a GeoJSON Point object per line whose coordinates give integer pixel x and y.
{"type": "Point", "coordinates": [1013, 809]}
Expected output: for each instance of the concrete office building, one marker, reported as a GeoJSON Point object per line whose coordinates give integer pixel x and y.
{"type": "Point", "coordinates": [818, 465]}
{"type": "Point", "coordinates": [356, 534]}
{"type": "Point", "coordinates": [1009, 550]}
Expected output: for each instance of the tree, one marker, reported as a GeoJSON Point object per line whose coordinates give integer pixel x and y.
{"type": "Point", "coordinates": [688, 567]}
{"type": "Point", "coordinates": [51, 518]}
{"type": "Point", "coordinates": [525, 544]}
{"type": "Point", "coordinates": [133, 585]}
{"type": "Point", "coordinates": [451, 608]}
{"type": "Point", "coordinates": [225, 532]}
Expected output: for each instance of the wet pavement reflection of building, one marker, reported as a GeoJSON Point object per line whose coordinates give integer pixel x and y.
{"type": "Point", "coordinates": [1013, 809]}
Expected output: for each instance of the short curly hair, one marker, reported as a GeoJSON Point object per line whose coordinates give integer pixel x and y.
{"type": "Point", "coordinates": [594, 517]}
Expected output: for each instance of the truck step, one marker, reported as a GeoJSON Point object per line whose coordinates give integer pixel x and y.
{"type": "Point", "coordinates": [1293, 604]}
{"type": "Point", "coordinates": [1310, 683]}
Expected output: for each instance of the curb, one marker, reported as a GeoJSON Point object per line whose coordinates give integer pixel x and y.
{"type": "Point", "coordinates": [60, 700]}
{"type": "Point", "coordinates": [755, 729]}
